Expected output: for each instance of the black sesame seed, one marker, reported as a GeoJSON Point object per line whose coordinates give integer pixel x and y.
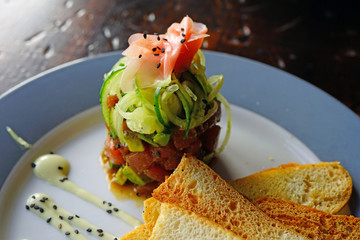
{"type": "Point", "coordinates": [110, 204]}
{"type": "Point", "coordinates": [156, 54]}
{"type": "Point", "coordinates": [138, 194]}
{"type": "Point", "coordinates": [33, 165]}
{"type": "Point", "coordinates": [99, 230]}
{"type": "Point", "coordinates": [158, 38]}
{"type": "Point", "coordinates": [43, 199]}
{"type": "Point", "coordinates": [61, 217]}
{"type": "Point", "coordinates": [115, 238]}
{"type": "Point", "coordinates": [41, 210]}
{"type": "Point", "coordinates": [63, 179]}
{"type": "Point", "coordinates": [51, 152]}
{"type": "Point", "coordinates": [32, 205]}
{"type": "Point", "coordinates": [109, 211]}
{"type": "Point", "coordinates": [157, 154]}
{"type": "Point", "coordinates": [182, 29]}
{"type": "Point", "coordinates": [77, 216]}
{"type": "Point", "coordinates": [89, 230]}
{"type": "Point", "coordinates": [183, 40]}
{"type": "Point", "coordinates": [145, 35]}
{"type": "Point", "coordinates": [70, 217]}
{"type": "Point", "coordinates": [67, 233]}
{"type": "Point", "coordinates": [183, 34]}
{"type": "Point", "coordinates": [154, 49]}
{"type": "Point", "coordinates": [165, 39]}
{"type": "Point", "coordinates": [60, 168]}
{"type": "Point", "coordinates": [116, 209]}
{"type": "Point", "coordinates": [158, 65]}
{"type": "Point", "coordinates": [36, 207]}
{"type": "Point", "coordinates": [163, 50]}
{"type": "Point", "coordinates": [48, 220]}
{"type": "Point", "coordinates": [158, 47]}
{"type": "Point", "coordinates": [76, 231]}
{"type": "Point", "coordinates": [54, 207]}
{"type": "Point", "coordinates": [27, 207]}
{"type": "Point", "coordinates": [33, 197]}
{"type": "Point", "coordinates": [104, 202]}
{"type": "Point", "coordinates": [139, 57]}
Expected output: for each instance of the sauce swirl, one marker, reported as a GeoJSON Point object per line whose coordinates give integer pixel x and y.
{"type": "Point", "coordinates": [61, 219]}
{"type": "Point", "coordinates": [54, 169]}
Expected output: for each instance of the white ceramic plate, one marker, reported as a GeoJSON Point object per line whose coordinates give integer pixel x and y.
{"type": "Point", "coordinates": [257, 144]}
{"type": "Point", "coordinates": [270, 101]}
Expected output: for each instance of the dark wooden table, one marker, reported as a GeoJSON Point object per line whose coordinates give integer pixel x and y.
{"type": "Point", "coordinates": [318, 41]}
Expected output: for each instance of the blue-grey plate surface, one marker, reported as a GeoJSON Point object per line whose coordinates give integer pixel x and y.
{"type": "Point", "coordinates": [321, 122]}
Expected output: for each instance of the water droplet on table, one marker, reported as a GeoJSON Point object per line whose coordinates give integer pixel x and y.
{"type": "Point", "coordinates": [65, 25]}
{"type": "Point", "coordinates": [69, 4]}
{"type": "Point", "coordinates": [151, 17]}
{"type": "Point", "coordinates": [246, 31]}
{"type": "Point", "coordinates": [280, 62]}
{"type": "Point", "coordinates": [48, 51]}
{"type": "Point", "coordinates": [35, 38]}
{"type": "Point", "coordinates": [107, 32]}
{"type": "Point", "coordinates": [115, 43]}
{"type": "Point", "coordinates": [80, 13]}
{"type": "Point", "coordinates": [242, 38]}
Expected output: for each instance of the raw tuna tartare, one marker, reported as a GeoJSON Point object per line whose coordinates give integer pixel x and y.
{"type": "Point", "coordinates": [158, 104]}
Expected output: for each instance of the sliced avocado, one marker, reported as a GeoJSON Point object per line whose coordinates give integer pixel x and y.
{"type": "Point", "coordinates": [120, 178]}
{"type": "Point", "coordinates": [111, 165]}
{"type": "Point", "coordinates": [147, 138]}
{"type": "Point", "coordinates": [135, 178]}
{"type": "Point", "coordinates": [134, 143]}
{"type": "Point", "coordinates": [162, 138]}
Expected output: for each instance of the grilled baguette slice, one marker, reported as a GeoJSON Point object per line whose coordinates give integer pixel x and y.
{"type": "Point", "coordinates": [194, 186]}
{"type": "Point", "coordinates": [175, 223]}
{"type": "Point", "coordinates": [311, 222]}
{"type": "Point", "coordinates": [325, 186]}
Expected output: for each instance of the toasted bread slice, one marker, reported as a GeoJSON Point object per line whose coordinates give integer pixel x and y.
{"type": "Point", "coordinates": [311, 222]}
{"type": "Point", "coordinates": [175, 223]}
{"type": "Point", "coordinates": [139, 233]}
{"type": "Point", "coordinates": [325, 186]}
{"type": "Point", "coordinates": [151, 212]}
{"type": "Point", "coordinates": [194, 186]}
